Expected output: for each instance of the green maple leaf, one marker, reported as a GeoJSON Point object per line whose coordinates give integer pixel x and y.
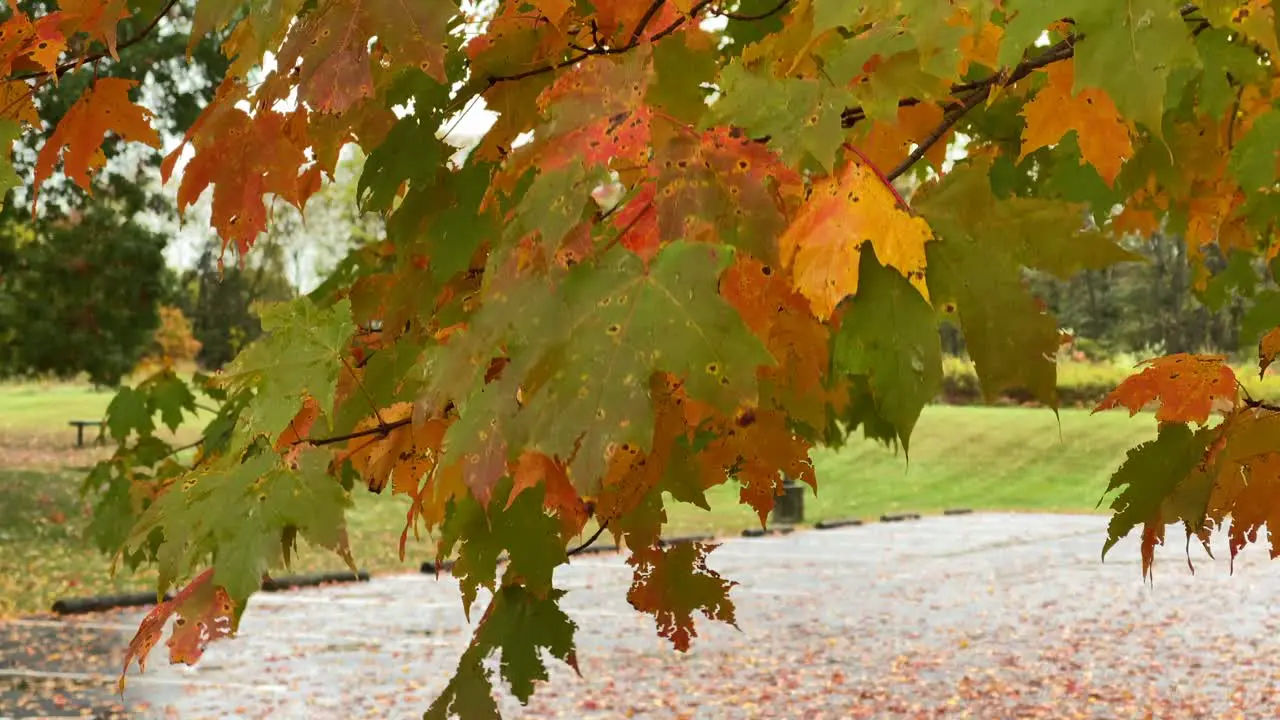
{"type": "Point", "coordinates": [10, 131]}
{"type": "Point", "coordinates": [555, 201]}
{"type": "Point", "coordinates": [1253, 159]}
{"type": "Point", "coordinates": [411, 152]}
{"type": "Point", "coordinates": [1028, 19]}
{"type": "Point", "coordinates": [522, 624]}
{"type": "Point", "coordinates": [615, 324]}
{"type": "Point", "coordinates": [859, 412]}
{"type": "Point", "coordinates": [801, 117]}
{"type": "Point", "coordinates": [169, 396]}
{"type": "Point", "coordinates": [679, 75]}
{"type": "Point", "coordinates": [844, 60]}
{"type": "Point", "coordinates": [1261, 316]}
{"type": "Point", "coordinates": [300, 355]}
{"type": "Point", "coordinates": [469, 693]}
{"type": "Point", "coordinates": [985, 243]}
{"type": "Point", "coordinates": [524, 530]}
{"type": "Point", "coordinates": [445, 220]}
{"type": "Point", "coordinates": [890, 335]}
{"type": "Point", "coordinates": [1223, 60]}
{"type": "Point", "coordinates": [129, 412]}
{"type": "Point", "coordinates": [238, 512]}
{"type": "Point", "coordinates": [1151, 477]}
{"type": "Point", "coordinates": [1130, 49]}
{"type": "Point", "coordinates": [1237, 279]}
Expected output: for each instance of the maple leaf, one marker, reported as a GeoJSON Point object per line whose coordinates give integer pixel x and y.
{"type": "Point", "coordinates": [801, 117]}
{"type": "Point", "coordinates": [757, 448]}
{"type": "Point", "coordinates": [103, 108]}
{"type": "Point", "coordinates": [824, 241]}
{"type": "Point", "coordinates": [244, 158]}
{"type": "Point", "coordinates": [599, 354]}
{"type": "Point", "coordinates": [889, 334]}
{"type": "Point", "coordinates": [1134, 47]}
{"type": "Point", "coordinates": [333, 44]}
{"type": "Point", "coordinates": [1161, 485]}
{"type": "Point", "coordinates": [1186, 387]}
{"type": "Point", "coordinates": [1268, 350]}
{"type": "Point", "coordinates": [672, 582]}
{"type": "Point", "coordinates": [1102, 134]}
{"type": "Point", "coordinates": [205, 613]}
{"type": "Point", "coordinates": [97, 18]}
{"type": "Point", "coordinates": [560, 497]}
{"type": "Point", "coordinates": [299, 358]}
{"type": "Point", "coordinates": [519, 624]}
{"type": "Point", "coordinates": [522, 528]}
{"type": "Point", "coordinates": [718, 187]}
{"type": "Point", "coordinates": [887, 144]}
{"type": "Point", "coordinates": [984, 242]}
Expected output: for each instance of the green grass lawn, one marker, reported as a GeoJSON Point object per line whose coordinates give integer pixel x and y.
{"type": "Point", "coordinates": [975, 457]}
{"type": "Point", "coordinates": [984, 458]}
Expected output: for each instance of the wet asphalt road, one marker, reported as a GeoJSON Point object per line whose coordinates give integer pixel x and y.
{"type": "Point", "coordinates": [986, 615]}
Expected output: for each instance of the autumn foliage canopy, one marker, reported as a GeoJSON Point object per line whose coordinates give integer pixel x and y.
{"type": "Point", "coordinates": [701, 238]}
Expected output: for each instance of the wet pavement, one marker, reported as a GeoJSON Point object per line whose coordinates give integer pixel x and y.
{"type": "Point", "coordinates": [986, 615]}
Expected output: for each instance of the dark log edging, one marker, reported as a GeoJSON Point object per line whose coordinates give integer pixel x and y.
{"type": "Point", "coordinates": [756, 532]}
{"type": "Point", "coordinates": [839, 523]}
{"type": "Point", "coordinates": [100, 603]}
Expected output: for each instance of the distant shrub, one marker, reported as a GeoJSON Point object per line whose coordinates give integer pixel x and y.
{"type": "Point", "coordinates": [1080, 384]}
{"type": "Point", "coordinates": [175, 339]}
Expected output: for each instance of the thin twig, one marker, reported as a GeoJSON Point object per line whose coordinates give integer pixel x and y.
{"type": "Point", "coordinates": [360, 384]}
{"type": "Point", "coordinates": [596, 536]}
{"type": "Point", "coordinates": [644, 21]}
{"type": "Point", "coordinates": [379, 429]}
{"type": "Point", "coordinates": [749, 18]}
{"type": "Point", "coordinates": [947, 123]}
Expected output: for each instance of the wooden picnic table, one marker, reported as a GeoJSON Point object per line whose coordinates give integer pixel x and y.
{"type": "Point", "coordinates": [80, 425]}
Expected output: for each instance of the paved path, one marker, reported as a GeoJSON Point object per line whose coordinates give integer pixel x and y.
{"type": "Point", "coordinates": [983, 615]}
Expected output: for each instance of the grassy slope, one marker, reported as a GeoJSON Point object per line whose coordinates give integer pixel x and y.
{"type": "Point", "coordinates": [982, 458]}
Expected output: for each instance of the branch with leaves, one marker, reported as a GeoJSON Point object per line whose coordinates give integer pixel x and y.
{"type": "Point", "coordinates": [625, 296]}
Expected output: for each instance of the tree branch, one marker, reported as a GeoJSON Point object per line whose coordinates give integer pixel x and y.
{"type": "Point", "coordinates": [748, 18]}
{"type": "Point", "coordinates": [596, 536]}
{"type": "Point", "coordinates": [379, 429]}
{"type": "Point", "coordinates": [637, 36]}
{"type": "Point", "coordinates": [63, 68]}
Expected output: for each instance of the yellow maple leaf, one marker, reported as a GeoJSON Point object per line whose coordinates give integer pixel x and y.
{"type": "Point", "coordinates": [823, 245]}
{"type": "Point", "coordinates": [1102, 134]}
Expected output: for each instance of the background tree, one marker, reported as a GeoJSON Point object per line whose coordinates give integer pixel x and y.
{"type": "Point", "coordinates": [698, 239]}
{"type": "Point", "coordinates": [83, 277]}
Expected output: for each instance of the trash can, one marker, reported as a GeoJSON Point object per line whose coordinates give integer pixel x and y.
{"type": "Point", "coordinates": [788, 508]}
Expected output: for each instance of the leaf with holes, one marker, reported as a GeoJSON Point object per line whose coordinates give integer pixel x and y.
{"type": "Point", "coordinates": [1182, 388]}
{"type": "Point", "coordinates": [104, 108]}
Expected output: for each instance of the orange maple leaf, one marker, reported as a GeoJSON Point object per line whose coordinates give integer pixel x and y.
{"type": "Point", "coordinates": [561, 498]}
{"type": "Point", "coordinates": [97, 18]}
{"type": "Point", "coordinates": [823, 244]}
{"type": "Point", "coordinates": [888, 144]}
{"type": "Point", "coordinates": [205, 613]}
{"type": "Point", "coordinates": [103, 108]}
{"type": "Point", "coordinates": [290, 441]}
{"type": "Point", "coordinates": [1187, 388]}
{"type": "Point", "coordinates": [672, 582]}
{"type": "Point", "coordinates": [243, 158]}
{"type": "Point", "coordinates": [758, 447]}
{"type": "Point", "coordinates": [1268, 350]}
{"type": "Point", "coordinates": [1103, 135]}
